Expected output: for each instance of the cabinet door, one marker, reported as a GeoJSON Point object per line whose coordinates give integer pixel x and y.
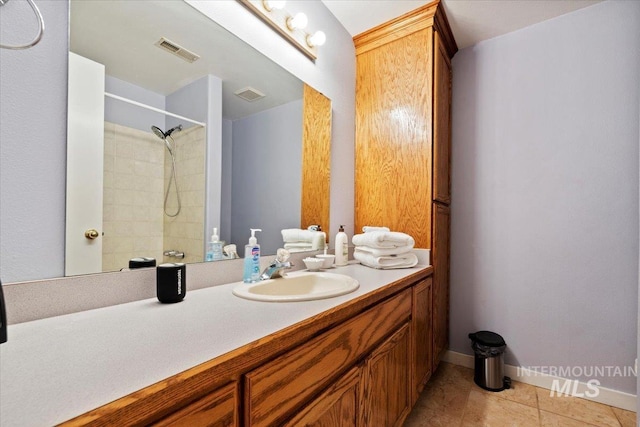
{"type": "Point", "coordinates": [441, 216]}
{"type": "Point", "coordinates": [421, 336]}
{"type": "Point", "coordinates": [219, 409]}
{"type": "Point", "coordinates": [387, 381]}
{"type": "Point", "coordinates": [441, 123]}
{"type": "Point", "coordinates": [393, 144]}
{"type": "Point", "coordinates": [338, 406]}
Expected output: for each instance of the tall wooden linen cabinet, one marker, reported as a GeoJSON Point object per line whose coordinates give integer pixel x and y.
{"type": "Point", "coordinates": [403, 144]}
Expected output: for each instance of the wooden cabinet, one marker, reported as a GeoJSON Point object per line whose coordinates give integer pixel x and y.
{"type": "Point", "coordinates": [217, 409]}
{"type": "Point", "coordinates": [441, 123]}
{"type": "Point", "coordinates": [387, 382]}
{"type": "Point", "coordinates": [403, 139]}
{"type": "Point", "coordinates": [277, 388]}
{"type": "Point", "coordinates": [441, 230]}
{"type": "Point", "coordinates": [338, 406]}
{"type": "Point", "coordinates": [421, 340]}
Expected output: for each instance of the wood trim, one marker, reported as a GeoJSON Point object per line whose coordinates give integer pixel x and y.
{"type": "Point", "coordinates": [429, 15]}
{"type": "Point", "coordinates": [159, 400]}
{"type": "Point", "coordinates": [402, 26]}
{"type": "Point", "coordinates": [316, 159]}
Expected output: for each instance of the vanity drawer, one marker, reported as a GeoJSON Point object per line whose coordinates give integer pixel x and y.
{"type": "Point", "coordinates": [278, 387]}
{"type": "Point", "coordinates": [219, 408]}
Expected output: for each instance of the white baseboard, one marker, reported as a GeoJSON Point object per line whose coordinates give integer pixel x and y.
{"type": "Point", "coordinates": [606, 396]}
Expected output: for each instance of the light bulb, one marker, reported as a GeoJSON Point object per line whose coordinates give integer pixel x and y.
{"type": "Point", "coordinates": [317, 39]}
{"type": "Point", "coordinates": [273, 4]}
{"type": "Point", "coordinates": [297, 22]}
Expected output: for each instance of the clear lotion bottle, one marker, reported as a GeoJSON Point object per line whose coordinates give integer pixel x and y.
{"type": "Point", "coordinates": [251, 272]}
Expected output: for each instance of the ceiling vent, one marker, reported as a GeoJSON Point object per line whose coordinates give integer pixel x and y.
{"type": "Point", "coordinates": [177, 50]}
{"type": "Point", "coordinates": [249, 94]}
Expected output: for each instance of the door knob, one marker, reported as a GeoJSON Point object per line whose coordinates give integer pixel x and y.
{"type": "Point", "coordinates": [91, 234]}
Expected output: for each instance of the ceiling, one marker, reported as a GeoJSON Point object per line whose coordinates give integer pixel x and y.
{"type": "Point", "coordinates": [471, 20]}
{"type": "Point", "coordinates": [121, 35]}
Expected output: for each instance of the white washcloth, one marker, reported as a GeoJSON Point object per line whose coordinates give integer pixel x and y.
{"type": "Point", "coordinates": [385, 251]}
{"type": "Point", "coordinates": [406, 260]}
{"type": "Point", "coordinates": [370, 228]}
{"type": "Point", "coordinates": [383, 239]}
{"type": "Point", "coordinates": [296, 235]}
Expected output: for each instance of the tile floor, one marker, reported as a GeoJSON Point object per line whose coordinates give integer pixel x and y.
{"type": "Point", "coordinates": [451, 398]}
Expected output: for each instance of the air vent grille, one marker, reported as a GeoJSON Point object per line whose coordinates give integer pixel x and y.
{"type": "Point", "coordinates": [177, 50]}
{"type": "Point", "coordinates": [249, 94]}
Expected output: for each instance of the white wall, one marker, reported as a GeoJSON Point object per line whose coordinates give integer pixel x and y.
{"type": "Point", "coordinates": [545, 191]}
{"type": "Point", "coordinates": [124, 114]}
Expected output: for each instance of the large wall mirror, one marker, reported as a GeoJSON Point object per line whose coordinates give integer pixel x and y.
{"type": "Point", "coordinates": [195, 130]}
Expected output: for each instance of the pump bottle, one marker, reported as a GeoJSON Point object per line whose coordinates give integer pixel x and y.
{"type": "Point", "coordinates": [251, 272]}
{"type": "Point", "coordinates": [342, 247]}
{"type": "Point", "coordinates": [214, 247]}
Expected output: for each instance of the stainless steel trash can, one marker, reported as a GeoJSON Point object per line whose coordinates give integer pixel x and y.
{"type": "Point", "coordinates": [488, 348]}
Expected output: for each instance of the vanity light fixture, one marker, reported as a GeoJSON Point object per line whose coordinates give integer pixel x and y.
{"type": "Point", "coordinates": [269, 5]}
{"type": "Point", "coordinates": [298, 22]}
{"type": "Point", "coordinates": [317, 39]}
{"type": "Point", "coordinates": [291, 27]}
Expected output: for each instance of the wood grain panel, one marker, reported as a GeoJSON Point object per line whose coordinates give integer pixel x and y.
{"type": "Point", "coordinates": [278, 387]}
{"type": "Point", "coordinates": [394, 136]}
{"type": "Point", "coordinates": [338, 406]}
{"type": "Point", "coordinates": [387, 381]}
{"type": "Point", "coordinates": [441, 230]}
{"type": "Point", "coordinates": [441, 123]}
{"type": "Point", "coordinates": [218, 409]}
{"type": "Point", "coordinates": [421, 338]}
{"type": "Point", "coordinates": [316, 159]}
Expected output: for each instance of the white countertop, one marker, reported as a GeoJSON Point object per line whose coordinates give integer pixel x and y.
{"type": "Point", "coordinates": [54, 369]}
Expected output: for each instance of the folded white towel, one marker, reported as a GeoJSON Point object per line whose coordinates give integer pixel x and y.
{"type": "Point", "coordinates": [383, 239]}
{"type": "Point", "coordinates": [406, 260]}
{"type": "Point", "coordinates": [295, 235]}
{"type": "Point", "coordinates": [317, 243]}
{"type": "Point", "coordinates": [370, 228]}
{"type": "Point", "coordinates": [299, 245]}
{"type": "Point", "coordinates": [385, 251]}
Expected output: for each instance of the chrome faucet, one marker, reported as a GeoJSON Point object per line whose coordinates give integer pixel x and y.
{"type": "Point", "coordinates": [277, 266]}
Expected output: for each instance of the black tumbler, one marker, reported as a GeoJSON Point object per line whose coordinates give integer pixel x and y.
{"type": "Point", "coordinates": [171, 282]}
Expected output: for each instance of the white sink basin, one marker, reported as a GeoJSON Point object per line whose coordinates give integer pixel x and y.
{"type": "Point", "coordinates": [298, 287]}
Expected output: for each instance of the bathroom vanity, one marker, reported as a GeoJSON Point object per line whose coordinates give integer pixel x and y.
{"type": "Point", "coordinates": [216, 359]}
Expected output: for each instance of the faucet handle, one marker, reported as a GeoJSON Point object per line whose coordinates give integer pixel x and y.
{"type": "Point", "coordinates": [282, 255]}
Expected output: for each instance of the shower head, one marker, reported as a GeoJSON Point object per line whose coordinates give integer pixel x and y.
{"type": "Point", "coordinates": [173, 129]}
{"type": "Point", "coordinates": [163, 136]}
{"type": "Point", "coordinates": [158, 132]}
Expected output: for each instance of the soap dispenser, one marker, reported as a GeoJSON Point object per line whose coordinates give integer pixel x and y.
{"type": "Point", "coordinates": [214, 247]}
{"type": "Point", "coordinates": [252, 259]}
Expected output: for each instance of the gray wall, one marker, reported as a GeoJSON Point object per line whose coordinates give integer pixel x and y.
{"type": "Point", "coordinates": [122, 113]}
{"type": "Point", "coordinates": [333, 74]}
{"type": "Point", "coordinates": [33, 136]}
{"type": "Point", "coordinates": [545, 191]}
{"type": "Point", "coordinates": [225, 196]}
{"type": "Point", "coordinates": [202, 101]}
{"type": "Point", "coordinates": [266, 176]}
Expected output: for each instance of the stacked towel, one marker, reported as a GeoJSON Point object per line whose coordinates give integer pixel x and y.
{"type": "Point", "coordinates": [380, 248]}
{"type": "Point", "coordinates": [298, 240]}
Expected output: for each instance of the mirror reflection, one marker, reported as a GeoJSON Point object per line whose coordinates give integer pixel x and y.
{"type": "Point", "coordinates": [195, 130]}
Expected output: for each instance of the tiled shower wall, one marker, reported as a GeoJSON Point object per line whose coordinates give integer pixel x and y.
{"type": "Point", "coordinates": [136, 171]}
{"type": "Point", "coordinates": [185, 232]}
